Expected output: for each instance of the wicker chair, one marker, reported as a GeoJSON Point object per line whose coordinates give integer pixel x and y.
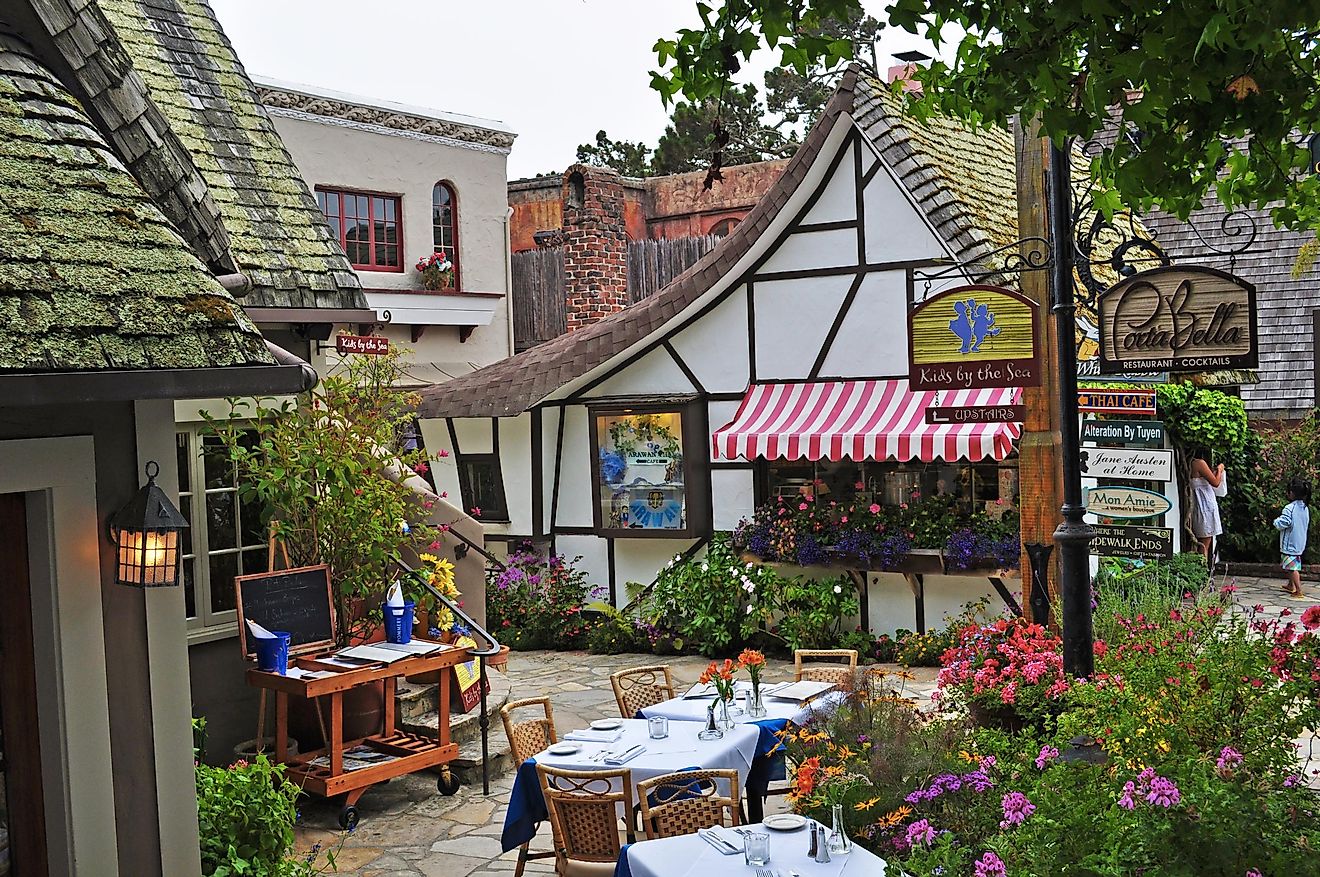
{"type": "Point", "coordinates": [584, 810]}
{"type": "Point", "coordinates": [641, 687]}
{"type": "Point", "coordinates": [839, 673]}
{"type": "Point", "coordinates": [526, 738]}
{"type": "Point", "coordinates": [680, 803]}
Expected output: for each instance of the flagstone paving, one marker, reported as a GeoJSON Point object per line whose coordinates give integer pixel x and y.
{"type": "Point", "coordinates": [407, 830]}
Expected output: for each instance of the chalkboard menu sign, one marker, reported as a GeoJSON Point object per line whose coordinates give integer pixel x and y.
{"type": "Point", "coordinates": [295, 600]}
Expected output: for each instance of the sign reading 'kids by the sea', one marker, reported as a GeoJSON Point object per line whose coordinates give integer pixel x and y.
{"type": "Point", "coordinates": [972, 337]}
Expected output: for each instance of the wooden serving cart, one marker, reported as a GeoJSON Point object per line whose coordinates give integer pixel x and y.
{"type": "Point", "coordinates": [383, 756]}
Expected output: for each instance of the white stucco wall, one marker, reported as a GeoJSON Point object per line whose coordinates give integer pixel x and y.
{"type": "Point", "coordinates": [336, 156]}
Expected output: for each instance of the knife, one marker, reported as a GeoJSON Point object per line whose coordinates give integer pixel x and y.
{"type": "Point", "coordinates": [714, 839]}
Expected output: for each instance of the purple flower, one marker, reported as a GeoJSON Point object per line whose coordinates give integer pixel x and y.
{"type": "Point", "coordinates": [1292, 780]}
{"type": "Point", "coordinates": [1047, 754]}
{"type": "Point", "coordinates": [1126, 801]}
{"type": "Point", "coordinates": [1253, 873]}
{"type": "Point", "coordinates": [1229, 758]}
{"type": "Point", "coordinates": [990, 865]}
{"type": "Point", "coordinates": [920, 832]}
{"type": "Point", "coordinates": [1017, 807]}
{"type": "Point", "coordinates": [1163, 792]}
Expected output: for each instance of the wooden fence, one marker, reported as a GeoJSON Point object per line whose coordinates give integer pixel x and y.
{"type": "Point", "coordinates": [538, 282]}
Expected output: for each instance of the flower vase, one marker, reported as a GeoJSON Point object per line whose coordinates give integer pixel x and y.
{"type": "Point", "coordinates": [838, 841]}
{"type": "Point", "coordinates": [726, 713]}
{"type": "Point", "coordinates": [755, 707]}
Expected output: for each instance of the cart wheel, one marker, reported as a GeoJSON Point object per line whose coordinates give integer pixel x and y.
{"type": "Point", "coordinates": [348, 818]}
{"type": "Point", "coordinates": [448, 783]}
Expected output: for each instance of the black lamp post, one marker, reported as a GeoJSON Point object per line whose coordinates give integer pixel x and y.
{"type": "Point", "coordinates": [146, 532]}
{"type": "Point", "coordinates": [1073, 535]}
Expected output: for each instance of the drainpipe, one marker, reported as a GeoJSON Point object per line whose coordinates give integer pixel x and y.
{"type": "Point", "coordinates": [284, 357]}
{"type": "Point", "coordinates": [235, 284]}
{"type": "Point", "coordinates": [508, 281]}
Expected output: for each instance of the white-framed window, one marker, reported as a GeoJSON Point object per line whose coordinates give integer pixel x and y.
{"type": "Point", "coordinates": [225, 538]}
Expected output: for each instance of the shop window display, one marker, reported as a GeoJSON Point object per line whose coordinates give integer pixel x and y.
{"type": "Point", "coordinates": [990, 487]}
{"type": "Point", "coordinates": [641, 478]}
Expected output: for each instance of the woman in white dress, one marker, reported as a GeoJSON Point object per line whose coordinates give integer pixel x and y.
{"type": "Point", "coordinates": [1204, 518]}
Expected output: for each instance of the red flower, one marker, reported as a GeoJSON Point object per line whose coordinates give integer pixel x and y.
{"type": "Point", "coordinates": [1311, 618]}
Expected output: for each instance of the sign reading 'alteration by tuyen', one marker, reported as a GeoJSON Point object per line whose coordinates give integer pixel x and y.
{"type": "Point", "coordinates": [1181, 318]}
{"type": "Point", "coordinates": [1146, 433]}
{"type": "Point", "coordinates": [1126, 502]}
{"type": "Point", "coordinates": [972, 337]}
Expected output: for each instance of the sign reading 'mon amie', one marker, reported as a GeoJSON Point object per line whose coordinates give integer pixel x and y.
{"type": "Point", "coordinates": [1126, 502]}
{"type": "Point", "coordinates": [1180, 318]}
{"type": "Point", "coordinates": [1139, 463]}
{"type": "Point", "coordinates": [975, 336]}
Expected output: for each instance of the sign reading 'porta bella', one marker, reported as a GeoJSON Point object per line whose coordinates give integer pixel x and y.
{"type": "Point", "coordinates": [1181, 318]}
{"type": "Point", "coordinates": [975, 336]}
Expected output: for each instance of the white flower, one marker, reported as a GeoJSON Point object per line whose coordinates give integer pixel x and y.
{"type": "Point", "coordinates": [838, 590]}
{"type": "Point", "coordinates": [749, 566]}
{"type": "Point", "coordinates": [705, 568]}
{"type": "Point", "coordinates": [749, 609]}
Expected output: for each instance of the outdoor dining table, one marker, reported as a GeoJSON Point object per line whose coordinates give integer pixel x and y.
{"type": "Point", "coordinates": [769, 762]}
{"type": "Point", "coordinates": [690, 856]}
{"type": "Point", "coordinates": [681, 750]}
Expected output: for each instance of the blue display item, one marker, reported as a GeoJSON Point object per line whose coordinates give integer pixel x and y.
{"type": "Point", "coordinates": [612, 467]}
{"type": "Point", "coordinates": [399, 621]}
{"type": "Point", "coordinates": [657, 512]}
{"type": "Point", "coordinates": [273, 654]}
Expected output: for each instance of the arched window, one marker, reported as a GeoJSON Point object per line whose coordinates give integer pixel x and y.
{"type": "Point", "coordinates": [444, 225]}
{"type": "Point", "coordinates": [724, 226]}
{"type": "Point", "coordinates": [577, 189]}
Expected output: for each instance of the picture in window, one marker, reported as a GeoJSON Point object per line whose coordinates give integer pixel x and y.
{"type": "Point", "coordinates": [641, 471]}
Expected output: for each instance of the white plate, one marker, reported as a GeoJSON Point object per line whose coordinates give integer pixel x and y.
{"type": "Point", "coordinates": [565, 748]}
{"type": "Point", "coordinates": [784, 822]}
{"type": "Point", "coordinates": [606, 724]}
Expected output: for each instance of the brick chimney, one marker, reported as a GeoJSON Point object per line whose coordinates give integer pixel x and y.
{"type": "Point", "coordinates": [595, 245]}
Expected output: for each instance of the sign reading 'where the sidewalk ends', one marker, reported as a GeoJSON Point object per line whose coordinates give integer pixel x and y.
{"type": "Point", "coordinates": [972, 337]}
{"type": "Point", "coordinates": [1178, 318]}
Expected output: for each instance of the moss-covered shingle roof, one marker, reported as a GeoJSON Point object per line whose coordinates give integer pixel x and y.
{"type": "Point", "coordinates": [92, 275]}
{"type": "Point", "coordinates": [277, 234]}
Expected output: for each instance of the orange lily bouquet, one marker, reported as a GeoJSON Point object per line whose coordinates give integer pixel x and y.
{"type": "Point", "coordinates": [721, 676]}
{"type": "Point", "coordinates": [753, 662]}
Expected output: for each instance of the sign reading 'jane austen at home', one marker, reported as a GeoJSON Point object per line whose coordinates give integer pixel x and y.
{"type": "Point", "coordinates": [1139, 463]}
{"type": "Point", "coordinates": [1181, 318]}
{"type": "Point", "coordinates": [971, 337]}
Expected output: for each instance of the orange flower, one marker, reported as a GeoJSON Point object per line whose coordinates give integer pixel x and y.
{"type": "Point", "coordinates": [808, 773]}
{"type": "Point", "coordinates": [751, 658]}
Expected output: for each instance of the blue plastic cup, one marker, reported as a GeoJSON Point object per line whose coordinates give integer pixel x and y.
{"type": "Point", "coordinates": [273, 654]}
{"type": "Point", "coordinates": [399, 621]}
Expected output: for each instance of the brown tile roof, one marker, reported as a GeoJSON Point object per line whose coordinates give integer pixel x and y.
{"type": "Point", "coordinates": [516, 384]}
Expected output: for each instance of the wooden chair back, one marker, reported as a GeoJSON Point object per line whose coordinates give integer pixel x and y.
{"type": "Point", "coordinates": [679, 803]}
{"type": "Point", "coordinates": [828, 665]}
{"type": "Point", "coordinates": [641, 687]}
{"type": "Point", "coordinates": [530, 735]}
{"type": "Point", "coordinates": [585, 808]}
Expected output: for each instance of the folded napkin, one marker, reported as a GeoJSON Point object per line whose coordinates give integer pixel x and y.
{"type": "Point", "coordinates": [588, 735]}
{"type": "Point", "coordinates": [625, 756]}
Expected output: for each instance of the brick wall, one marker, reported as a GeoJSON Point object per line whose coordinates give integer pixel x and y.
{"type": "Point", "coordinates": [595, 245]}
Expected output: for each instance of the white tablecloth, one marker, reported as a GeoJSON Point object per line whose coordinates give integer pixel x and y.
{"type": "Point", "coordinates": [681, 749]}
{"type": "Point", "coordinates": [690, 856]}
{"type": "Point", "coordinates": [694, 710]}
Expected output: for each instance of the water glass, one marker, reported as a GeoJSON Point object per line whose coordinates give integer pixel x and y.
{"type": "Point", "coordinates": [756, 848]}
{"type": "Point", "coordinates": [658, 727]}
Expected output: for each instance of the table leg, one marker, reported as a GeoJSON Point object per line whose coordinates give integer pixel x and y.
{"type": "Point", "coordinates": [388, 729]}
{"type": "Point", "coordinates": [281, 727]}
{"type": "Point", "coordinates": [261, 721]}
{"type": "Point", "coordinates": [336, 733]}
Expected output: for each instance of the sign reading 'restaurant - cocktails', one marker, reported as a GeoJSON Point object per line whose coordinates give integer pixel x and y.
{"type": "Point", "coordinates": [1183, 318]}
{"type": "Point", "coordinates": [1139, 463]}
{"type": "Point", "coordinates": [972, 337]}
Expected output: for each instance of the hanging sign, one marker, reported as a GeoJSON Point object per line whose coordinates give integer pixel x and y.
{"type": "Point", "coordinates": [1126, 502]}
{"type": "Point", "coordinates": [978, 414]}
{"type": "Point", "coordinates": [975, 336]}
{"type": "Point", "coordinates": [1131, 541]}
{"type": "Point", "coordinates": [1144, 433]}
{"type": "Point", "coordinates": [372, 345]}
{"type": "Point", "coordinates": [1180, 318]}
{"type": "Point", "coordinates": [1116, 401]}
{"type": "Point", "coordinates": [1138, 463]}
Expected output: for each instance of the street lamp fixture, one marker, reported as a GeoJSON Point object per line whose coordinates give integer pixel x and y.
{"type": "Point", "coordinates": [146, 533]}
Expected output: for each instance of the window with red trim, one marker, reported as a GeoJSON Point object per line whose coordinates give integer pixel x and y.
{"type": "Point", "coordinates": [367, 226]}
{"type": "Point", "coordinates": [444, 224]}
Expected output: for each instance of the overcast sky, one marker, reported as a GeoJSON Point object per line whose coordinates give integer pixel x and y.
{"type": "Point", "coordinates": [556, 71]}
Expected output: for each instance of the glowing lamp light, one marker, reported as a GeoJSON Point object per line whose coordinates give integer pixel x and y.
{"type": "Point", "coordinates": [146, 532]}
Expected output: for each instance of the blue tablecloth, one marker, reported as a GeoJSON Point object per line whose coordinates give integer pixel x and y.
{"type": "Point", "coordinates": [622, 869]}
{"type": "Point", "coordinates": [526, 808]}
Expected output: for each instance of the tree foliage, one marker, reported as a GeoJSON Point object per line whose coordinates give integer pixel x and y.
{"type": "Point", "coordinates": [628, 158]}
{"type": "Point", "coordinates": [1211, 92]}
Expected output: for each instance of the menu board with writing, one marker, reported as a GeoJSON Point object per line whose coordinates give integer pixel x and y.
{"type": "Point", "coordinates": [297, 600]}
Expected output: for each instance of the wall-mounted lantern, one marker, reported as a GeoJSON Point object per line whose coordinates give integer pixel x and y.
{"type": "Point", "coordinates": [146, 532]}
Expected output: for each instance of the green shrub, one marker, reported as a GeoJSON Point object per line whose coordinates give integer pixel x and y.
{"type": "Point", "coordinates": [536, 602]}
{"type": "Point", "coordinates": [713, 602]}
{"type": "Point", "coordinates": [925, 649]}
{"type": "Point", "coordinates": [614, 633]}
{"type": "Point", "coordinates": [1129, 581]}
{"type": "Point", "coordinates": [811, 611]}
{"type": "Point", "coordinates": [1257, 486]}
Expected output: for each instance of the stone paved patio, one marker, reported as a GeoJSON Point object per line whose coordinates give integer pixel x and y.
{"type": "Point", "coordinates": [407, 830]}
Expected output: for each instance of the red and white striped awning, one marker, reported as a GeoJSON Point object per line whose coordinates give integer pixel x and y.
{"type": "Point", "coordinates": [861, 420]}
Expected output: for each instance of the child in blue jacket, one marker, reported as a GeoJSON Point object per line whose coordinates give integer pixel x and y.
{"type": "Point", "coordinates": [1293, 525]}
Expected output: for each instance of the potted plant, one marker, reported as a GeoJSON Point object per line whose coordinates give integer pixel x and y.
{"type": "Point", "coordinates": [437, 272]}
{"type": "Point", "coordinates": [1008, 674]}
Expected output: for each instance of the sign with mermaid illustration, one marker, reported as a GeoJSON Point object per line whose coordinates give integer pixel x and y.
{"type": "Point", "coordinates": [972, 337]}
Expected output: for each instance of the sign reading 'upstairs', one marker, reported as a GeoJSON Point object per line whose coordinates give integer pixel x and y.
{"type": "Point", "coordinates": [1182, 318]}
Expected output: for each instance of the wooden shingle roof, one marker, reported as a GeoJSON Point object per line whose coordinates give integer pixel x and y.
{"type": "Point", "coordinates": [92, 274]}
{"type": "Point", "coordinates": [277, 234]}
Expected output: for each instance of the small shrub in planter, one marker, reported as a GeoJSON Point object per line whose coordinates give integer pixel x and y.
{"type": "Point", "coordinates": [536, 602]}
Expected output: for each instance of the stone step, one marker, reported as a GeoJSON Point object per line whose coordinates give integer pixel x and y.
{"type": "Point", "coordinates": [465, 730]}
{"type": "Point", "coordinates": [467, 767]}
{"type": "Point", "coordinates": [412, 700]}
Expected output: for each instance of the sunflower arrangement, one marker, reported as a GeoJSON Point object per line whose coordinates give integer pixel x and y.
{"type": "Point", "coordinates": [440, 573]}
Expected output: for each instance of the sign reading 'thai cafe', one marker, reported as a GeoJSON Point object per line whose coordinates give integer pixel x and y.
{"type": "Point", "coordinates": [1178, 318]}
{"type": "Point", "coordinates": [972, 337]}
